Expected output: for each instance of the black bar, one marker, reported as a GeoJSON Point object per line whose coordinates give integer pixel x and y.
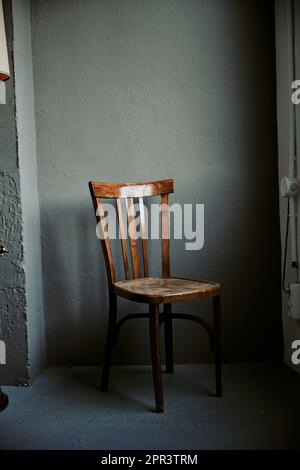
{"type": "Point", "coordinates": [135, 458]}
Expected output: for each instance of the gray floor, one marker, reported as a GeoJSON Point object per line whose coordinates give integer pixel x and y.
{"type": "Point", "coordinates": [63, 409]}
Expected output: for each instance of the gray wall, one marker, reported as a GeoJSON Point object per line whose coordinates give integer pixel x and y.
{"type": "Point", "coordinates": [26, 141]}
{"type": "Point", "coordinates": [21, 292]}
{"type": "Point", "coordinates": [141, 90]}
{"type": "Point", "coordinates": [12, 273]}
{"type": "Point", "coordinates": [291, 327]}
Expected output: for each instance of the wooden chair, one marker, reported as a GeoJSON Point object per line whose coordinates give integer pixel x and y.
{"type": "Point", "coordinates": [154, 291]}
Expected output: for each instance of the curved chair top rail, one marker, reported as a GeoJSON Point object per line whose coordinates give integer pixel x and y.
{"type": "Point", "coordinates": [124, 190]}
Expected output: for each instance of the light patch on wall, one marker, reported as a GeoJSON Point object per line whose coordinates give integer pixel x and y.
{"type": "Point", "coordinates": [2, 93]}
{"type": "Point", "coordinates": [2, 352]}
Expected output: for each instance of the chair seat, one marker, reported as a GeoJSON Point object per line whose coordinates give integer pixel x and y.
{"type": "Point", "coordinates": [157, 290]}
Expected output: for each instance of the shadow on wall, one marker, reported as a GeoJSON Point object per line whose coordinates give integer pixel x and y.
{"type": "Point", "coordinates": [76, 300]}
{"type": "Point", "coordinates": [74, 289]}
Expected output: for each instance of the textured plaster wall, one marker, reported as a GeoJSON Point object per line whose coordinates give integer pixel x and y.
{"type": "Point", "coordinates": [291, 327]}
{"type": "Point", "coordinates": [25, 121]}
{"type": "Point", "coordinates": [141, 90]}
{"type": "Point", "coordinates": [12, 275]}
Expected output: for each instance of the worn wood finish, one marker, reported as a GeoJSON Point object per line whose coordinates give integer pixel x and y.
{"type": "Point", "coordinates": [123, 239]}
{"type": "Point", "coordinates": [168, 331]}
{"type": "Point", "coordinates": [154, 327]}
{"type": "Point", "coordinates": [159, 290]}
{"type": "Point", "coordinates": [133, 240]}
{"type": "Point", "coordinates": [128, 191]}
{"type": "Point", "coordinates": [165, 235]}
{"type": "Point", "coordinates": [110, 342]}
{"type": "Point", "coordinates": [167, 313]}
{"type": "Point", "coordinates": [144, 237]}
{"type": "Point", "coordinates": [108, 257]}
{"type": "Point", "coordinates": [150, 290]}
{"type": "Point", "coordinates": [218, 344]}
{"type": "Point", "coordinates": [117, 190]}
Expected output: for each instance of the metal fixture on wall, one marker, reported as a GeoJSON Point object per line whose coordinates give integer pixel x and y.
{"type": "Point", "coordinates": [290, 185]}
{"type": "Point", "coordinates": [3, 250]}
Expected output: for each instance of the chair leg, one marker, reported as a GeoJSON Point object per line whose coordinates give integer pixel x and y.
{"type": "Point", "coordinates": [168, 330]}
{"type": "Point", "coordinates": [109, 341]}
{"type": "Point", "coordinates": [154, 325]}
{"type": "Point", "coordinates": [218, 344]}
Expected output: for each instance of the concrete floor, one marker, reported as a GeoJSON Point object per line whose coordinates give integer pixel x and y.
{"type": "Point", "coordinates": [63, 409]}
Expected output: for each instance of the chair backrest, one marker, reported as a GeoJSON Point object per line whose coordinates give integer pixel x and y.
{"type": "Point", "coordinates": [124, 194]}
